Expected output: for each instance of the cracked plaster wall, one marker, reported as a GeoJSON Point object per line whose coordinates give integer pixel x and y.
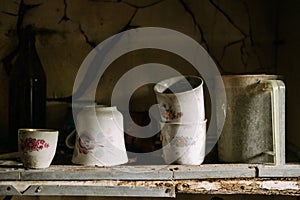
{"type": "Point", "coordinates": [240, 35]}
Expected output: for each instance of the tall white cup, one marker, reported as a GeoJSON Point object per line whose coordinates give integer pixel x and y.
{"type": "Point", "coordinates": [181, 99]}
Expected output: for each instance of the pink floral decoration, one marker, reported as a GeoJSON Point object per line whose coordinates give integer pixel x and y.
{"type": "Point", "coordinates": [169, 113]}
{"type": "Point", "coordinates": [32, 144]}
{"type": "Point", "coordinates": [182, 141]}
{"type": "Point", "coordinates": [85, 143]}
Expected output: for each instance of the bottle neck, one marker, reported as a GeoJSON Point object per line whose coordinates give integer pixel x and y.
{"type": "Point", "coordinates": [28, 61]}
{"type": "Point", "coordinates": [27, 44]}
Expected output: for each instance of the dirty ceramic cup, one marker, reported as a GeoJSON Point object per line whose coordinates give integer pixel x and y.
{"type": "Point", "coordinates": [99, 137]}
{"type": "Point", "coordinates": [180, 99]}
{"type": "Point", "coordinates": [184, 143]}
{"type": "Point", "coordinates": [37, 147]}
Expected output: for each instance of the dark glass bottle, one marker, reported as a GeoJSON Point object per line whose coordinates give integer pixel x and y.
{"type": "Point", "coordinates": [27, 98]}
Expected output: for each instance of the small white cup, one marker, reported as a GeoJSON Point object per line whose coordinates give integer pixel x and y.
{"type": "Point", "coordinates": [184, 143]}
{"type": "Point", "coordinates": [37, 147]}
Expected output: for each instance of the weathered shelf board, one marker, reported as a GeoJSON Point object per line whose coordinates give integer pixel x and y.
{"type": "Point", "coordinates": [155, 172]}
{"type": "Point", "coordinates": [116, 191]}
{"type": "Point", "coordinates": [150, 172]}
{"type": "Point", "coordinates": [99, 173]}
{"type": "Point", "coordinates": [259, 186]}
{"type": "Point", "coordinates": [214, 171]}
{"type": "Point", "coordinates": [154, 181]}
{"type": "Point", "coordinates": [289, 186]}
{"type": "Point", "coordinates": [9, 174]}
{"type": "Point", "coordinates": [89, 188]}
{"type": "Point", "coordinates": [291, 170]}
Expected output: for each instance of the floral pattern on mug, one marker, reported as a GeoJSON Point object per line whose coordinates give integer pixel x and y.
{"type": "Point", "coordinates": [33, 144]}
{"type": "Point", "coordinates": [169, 113]}
{"type": "Point", "coordinates": [182, 141]}
{"type": "Point", "coordinates": [86, 142]}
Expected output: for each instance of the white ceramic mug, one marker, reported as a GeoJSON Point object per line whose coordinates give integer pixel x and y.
{"type": "Point", "coordinates": [37, 147]}
{"type": "Point", "coordinates": [100, 137]}
{"type": "Point", "coordinates": [181, 99]}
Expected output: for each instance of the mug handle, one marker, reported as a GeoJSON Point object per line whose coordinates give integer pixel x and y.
{"type": "Point", "coordinates": [68, 138]}
{"type": "Point", "coordinates": [277, 89]}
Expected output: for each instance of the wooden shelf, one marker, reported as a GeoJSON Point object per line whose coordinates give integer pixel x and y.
{"type": "Point", "coordinates": [152, 181]}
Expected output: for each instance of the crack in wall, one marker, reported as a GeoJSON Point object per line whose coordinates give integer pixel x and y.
{"type": "Point", "coordinates": [249, 22]}
{"type": "Point", "coordinates": [228, 17]}
{"type": "Point", "coordinates": [106, 1]}
{"type": "Point", "coordinates": [9, 13]}
{"type": "Point", "coordinates": [203, 39]}
{"type": "Point", "coordinates": [245, 35]}
{"type": "Point", "coordinates": [23, 8]}
{"type": "Point", "coordinates": [92, 44]}
{"type": "Point", "coordinates": [145, 6]}
{"type": "Point", "coordinates": [243, 40]}
{"type": "Point", "coordinates": [251, 32]}
{"type": "Point", "coordinates": [190, 12]}
{"type": "Point", "coordinates": [242, 50]}
{"type": "Point", "coordinates": [229, 45]}
{"type": "Point", "coordinates": [65, 16]}
{"type": "Point", "coordinates": [128, 25]}
{"type": "Point", "coordinates": [250, 36]}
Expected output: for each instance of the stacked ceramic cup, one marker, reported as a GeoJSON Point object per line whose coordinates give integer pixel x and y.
{"type": "Point", "coordinates": [183, 123]}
